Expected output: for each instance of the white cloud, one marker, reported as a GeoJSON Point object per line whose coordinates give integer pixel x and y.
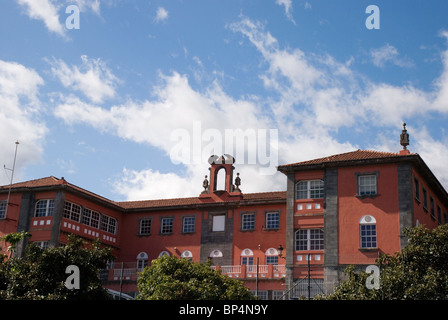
{"type": "Point", "coordinates": [287, 4]}
{"type": "Point", "coordinates": [20, 118]}
{"type": "Point", "coordinates": [48, 12]}
{"type": "Point", "coordinates": [178, 118]}
{"type": "Point", "coordinates": [312, 97]}
{"type": "Point", "coordinates": [388, 53]}
{"type": "Point", "coordinates": [161, 15]}
{"type": "Point", "coordinates": [45, 10]}
{"type": "Point", "coordinates": [93, 78]}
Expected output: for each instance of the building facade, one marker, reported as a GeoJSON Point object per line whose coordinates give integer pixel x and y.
{"type": "Point", "coordinates": [336, 211]}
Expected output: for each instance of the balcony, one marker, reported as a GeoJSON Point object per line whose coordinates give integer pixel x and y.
{"type": "Point", "coordinates": [268, 271]}
{"type": "Point", "coordinates": [128, 271]}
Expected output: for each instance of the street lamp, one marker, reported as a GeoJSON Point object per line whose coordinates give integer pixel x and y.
{"type": "Point", "coordinates": [280, 251]}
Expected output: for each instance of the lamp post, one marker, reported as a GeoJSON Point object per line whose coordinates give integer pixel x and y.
{"type": "Point", "coordinates": [12, 176]}
{"type": "Point", "coordinates": [308, 256]}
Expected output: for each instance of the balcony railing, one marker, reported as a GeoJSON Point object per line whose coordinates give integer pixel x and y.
{"type": "Point", "coordinates": [128, 271]}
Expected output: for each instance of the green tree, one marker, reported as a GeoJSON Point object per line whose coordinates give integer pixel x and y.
{"type": "Point", "coordinates": [41, 273]}
{"type": "Point", "coordinates": [418, 272]}
{"type": "Point", "coordinates": [171, 278]}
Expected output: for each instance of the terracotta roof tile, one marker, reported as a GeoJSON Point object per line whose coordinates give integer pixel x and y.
{"type": "Point", "coordinates": [276, 195]}
{"type": "Point", "coordinates": [42, 182]}
{"type": "Point", "coordinates": [345, 157]}
{"type": "Point", "coordinates": [141, 204]}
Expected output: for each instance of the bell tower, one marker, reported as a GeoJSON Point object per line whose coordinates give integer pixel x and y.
{"type": "Point", "coordinates": [221, 187]}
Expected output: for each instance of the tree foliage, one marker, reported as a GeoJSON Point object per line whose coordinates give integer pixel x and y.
{"type": "Point", "coordinates": [171, 278]}
{"type": "Point", "coordinates": [41, 273]}
{"type": "Point", "coordinates": [418, 272]}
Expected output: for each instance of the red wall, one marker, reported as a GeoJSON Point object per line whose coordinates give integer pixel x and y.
{"type": "Point", "coordinates": [383, 207]}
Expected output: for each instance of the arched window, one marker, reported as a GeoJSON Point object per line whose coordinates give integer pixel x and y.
{"type": "Point", "coordinates": [247, 257]}
{"type": "Point", "coordinates": [44, 208]}
{"type": "Point", "coordinates": [271, 256]}
{"type": "Point", "coordinates": [164, 253]}
{"type": "Point", "coordinates": [187, 255]}
{"type": "Point", "coordinates": [367, 229]}
{"type": "Point", "coordinates": [142, 261]}
{"type": "Point", "coordinates": [215, 254]}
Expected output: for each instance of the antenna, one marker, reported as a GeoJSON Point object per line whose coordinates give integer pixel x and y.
{"type": "Point", "coordinates": [12, 176]}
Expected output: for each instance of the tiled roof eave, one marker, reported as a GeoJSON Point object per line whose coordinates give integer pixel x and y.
{"type": "Point", "coordinates": [303, 166]}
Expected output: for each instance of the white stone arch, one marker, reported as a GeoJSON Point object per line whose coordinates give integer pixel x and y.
{"type": "Point", "coordinates": [247, 253]}
{"type": "Point", "coordinates": [215, 254]}
{"type": "Point", "coordinates": [367, 219]}
{"type": "Point", "coordinates": [271, 252]}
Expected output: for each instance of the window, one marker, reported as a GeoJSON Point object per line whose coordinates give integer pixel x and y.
{"type": "Point", "coordinates": [187, 255]}
{"type": "Point", "coordinates": [248, 221]}
{"type": "Point", "coordinates": [142, 261]}
{"type": "Point", "coordinates": [416, 189]}
{"type": "Point", "coordinates": [247, 259]}
{"type": "Point", "coordinates": [272, 260]}
{"type": "Point", "coordinates": [72, 211]}
{"type": "Point", "coordinates": [108, 224]}
{"type": "Point", "coordinates": [42, 244]}
{"type": "Point", "coordinates": [425, 199]}
{"type": "Point", "coordinates": [431, 204]}
{"type": "Point", "coordinates": [313, 189]}
{"type": "Point", "coordinates": [144, 226]}
{"type": "Point", "coordinates": [188, 224]}
{"type": "Point", "coordinates": [309, 239]}
{"type": "Point", "coordinates": [368, 232]}
{"type": "Point", "coordinates": [367, 185]}
{"type": "Point", "coordinates": [272, 220]}
{"type": "Point", "coordinates": [166, 226]}
{"type": "Point", "coordinates": [44, 208]}
{"type": "Point", "coordinates": [2, 209]}
{"type": "Point", "coordinates": [439, 215]}
{"type": "Point", "coordinates": [219, 222]}
{"type": "Point", "coordinates": [91, 218]}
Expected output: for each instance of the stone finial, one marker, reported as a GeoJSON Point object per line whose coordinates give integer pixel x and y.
{"type": "Point", "coordinates": [237, 182]}
{"type": "Point", "coordinates": [404, 137]}
{"type": "Point", "coordinates": [205, 185]}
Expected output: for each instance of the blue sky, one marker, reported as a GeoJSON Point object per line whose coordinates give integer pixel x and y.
{"type": "Point", "coordinates": [131, 104]}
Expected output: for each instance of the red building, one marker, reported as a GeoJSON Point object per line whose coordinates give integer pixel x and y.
{"type": "Point", "coordinates": [338, 210]}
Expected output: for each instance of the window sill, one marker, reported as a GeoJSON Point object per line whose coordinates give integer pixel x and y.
{"type": "Point", "coordinates": [143, 235]}
{"type": "Point", "coordinates": [368, 249]}
{"type": "Point", "coordinates": [364, 196]}
{"type": "Point", "coordinates": [271, 229]}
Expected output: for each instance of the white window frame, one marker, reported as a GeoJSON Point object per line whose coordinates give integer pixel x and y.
{"type": "Point", "coordinates": [366, 187]}
{"type": "Point", "coordinates": [307, 189]}
{"type": "Point", "coordinates": [269, 221]}
{"type": "Point", "coordinates": [313, 243]}
{"type": "Point", "coordinates": [3, 205]}
{"type": "Point", "coordinates": [48, 208]}
{"type": "Point", "coordinates": [70, 212]}
{"type": "Point", "coordinates": [367, 221]}
{"type": "Point", "coordinates": [248, 221]}
{"type": "Point", "coordinates": [188, 224]}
